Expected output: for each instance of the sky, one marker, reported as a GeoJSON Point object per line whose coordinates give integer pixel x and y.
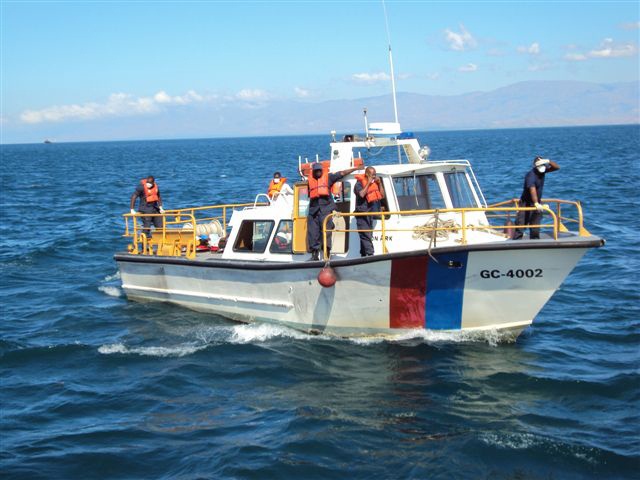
{"type": "Point", "coordinates": [78, 62]}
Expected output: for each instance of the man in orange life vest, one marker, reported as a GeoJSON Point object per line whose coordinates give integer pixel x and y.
{"type": "Point", "coordinates": [321, 204]}
{"type": "Point", "coordinates": [369, 192]}
{"type": "Point", "coordinates": [277, 186]}
{"type": "Point", "coordinates": [150, 202]}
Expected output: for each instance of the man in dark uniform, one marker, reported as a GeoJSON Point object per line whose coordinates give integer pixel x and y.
{"type": "Point", "coordinates": [321, 204]}
{"type": "Point", "coordinates": [369, 192]}
{"type": "Point", "coordinates": [150, 202]}
{"type": "Point", "coordinates": [531, 196]}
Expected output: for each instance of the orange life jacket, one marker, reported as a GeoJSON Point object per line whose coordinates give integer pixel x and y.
{"type": "Point", "coordinates": [319, 187]}
{"type": "Point", "coordinates": [151, 194]}
{"type": "Point", "coordinates": [373, 192]}
{"type": "Point", "coordinates": [275, 188]}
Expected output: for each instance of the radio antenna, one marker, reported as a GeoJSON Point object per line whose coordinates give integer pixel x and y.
{"type": "Point", "coordinates": [393, 80]}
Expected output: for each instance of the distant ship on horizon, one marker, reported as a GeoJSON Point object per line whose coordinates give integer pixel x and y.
{"type": "Point", "coordinates": [46, 140]}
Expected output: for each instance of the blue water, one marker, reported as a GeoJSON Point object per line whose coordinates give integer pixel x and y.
{"type": "Point", "coordinates": [94, 386]}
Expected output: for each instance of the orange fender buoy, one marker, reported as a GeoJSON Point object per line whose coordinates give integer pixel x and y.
{"type": "Point", "coordinates": [327, 277]}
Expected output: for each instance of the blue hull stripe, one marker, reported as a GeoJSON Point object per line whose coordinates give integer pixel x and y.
{"type": "Point", "coordinates": [445, 291]}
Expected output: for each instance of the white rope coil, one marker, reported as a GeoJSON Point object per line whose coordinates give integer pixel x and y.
{"type": "Point", "coordinates": [206, 228]}
{"type": "Point", "coordinates": [428, 232]}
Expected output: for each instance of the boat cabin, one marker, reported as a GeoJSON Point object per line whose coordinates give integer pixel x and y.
{"type": "Point", "coordinates": [417, 192]}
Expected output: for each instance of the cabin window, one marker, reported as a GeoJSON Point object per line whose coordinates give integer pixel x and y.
{"type": "Point", "coordinates": [460, 190]}
{"type": "Point", "coordinates": [418, 192]}
{"type": "Point", "coordinates": [341, 192]}
{"type": "Point", "coordinates": [283, 239]}
{"type": "Point", "coordinates": [303, 201]}
{"type": "Point", "coordinates": [253, 236]}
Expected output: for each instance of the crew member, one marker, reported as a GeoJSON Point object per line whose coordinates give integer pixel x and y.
{"type": "Point", "coordinates": [369, 192]}
{"type": "Point", "coordinates": [531, 196]}
{"type": "Point", "coordinates": [278, 185]}
{"type": "Point", "coordinates": [321, 204]}
{"type": "Point", "coordinates": [150, 202]}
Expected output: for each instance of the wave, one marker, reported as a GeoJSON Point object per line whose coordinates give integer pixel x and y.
{"type": "Point", "coordinates": [418, 335]}
{"type": "Point", "coordinates": [205, 336]}
{"type": "Point", "coordinates": [175, 351]}
{"type": "Point", "coordinates": [111, 291]}
{"type": "Point", "coordinates": [111, 278]}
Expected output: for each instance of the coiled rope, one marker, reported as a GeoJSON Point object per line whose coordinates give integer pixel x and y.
{"type": "Point", "coordinates": [429, 232]}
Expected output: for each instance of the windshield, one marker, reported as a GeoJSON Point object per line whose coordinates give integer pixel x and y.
{"type": "Point", "coordinates": [419, 192]}
{"type": "Point", "coordinates": [460, 190]}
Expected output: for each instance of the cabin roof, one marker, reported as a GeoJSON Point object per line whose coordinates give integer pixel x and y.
{"type": "Point", "coordinates": [410, 168]}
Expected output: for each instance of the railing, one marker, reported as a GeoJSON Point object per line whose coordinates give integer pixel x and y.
{"type": "Point", "coordinates": [559, 211]}
{"type": "Point", "coordinates": [176, 237]}
{"type": "Point", "coordinates": [178, 234]}
{"type": "Point", "coordinates": [448, 225]}
{"type": "Point", "coordinates": [223, 212]}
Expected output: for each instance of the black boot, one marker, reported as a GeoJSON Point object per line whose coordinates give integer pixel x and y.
{"type": "Point", "coordinates": [315, 256]}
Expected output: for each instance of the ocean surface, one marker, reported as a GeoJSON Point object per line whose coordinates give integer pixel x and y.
{"type": "Point", "coordinates": [95, 386]}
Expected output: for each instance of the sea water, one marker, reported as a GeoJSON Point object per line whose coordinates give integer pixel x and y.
{"type": "Point", "coordinates": [95, 386]}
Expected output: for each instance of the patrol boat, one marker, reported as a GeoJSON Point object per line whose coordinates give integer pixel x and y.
{"type": "Point", "coordinates": [444, 259]}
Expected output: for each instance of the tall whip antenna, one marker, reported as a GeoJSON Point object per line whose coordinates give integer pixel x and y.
{"type": "Point", "coordinates": [393, 79]}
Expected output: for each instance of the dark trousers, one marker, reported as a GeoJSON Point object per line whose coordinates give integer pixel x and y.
{"type": "Point", "coordinates": [529, 217]}
{"type": "Point", "coordinates": [366, 243]}
{"type": "Point", "coordinates": [147, 221]}
{"type": "Point", "coordinates": [317, 214]}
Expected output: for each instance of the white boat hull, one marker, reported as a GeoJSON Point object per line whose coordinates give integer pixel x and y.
{"type": "Point", "coordinates": [501, 289]}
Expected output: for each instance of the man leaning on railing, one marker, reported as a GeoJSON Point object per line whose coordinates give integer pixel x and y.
{"type": "Point", "coordinates": [531, 195]}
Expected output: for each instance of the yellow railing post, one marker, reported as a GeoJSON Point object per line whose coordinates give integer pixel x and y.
{"type": "Point", "coordinates": [384, 234]}
{"type": "Point", "coordinates": [464, 228]}
{"type": "Point", "coordinates": [324, 235]}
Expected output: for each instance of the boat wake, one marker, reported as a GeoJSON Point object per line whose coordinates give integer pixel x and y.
{"type": "Point", "coordinates": [202, 337]}
{"type": "Point", "coordinates": [110, 285]}
{"type": "Point", "coordinates": [110, 290]}
{"type": "Point", "coordinates": [176, 351]}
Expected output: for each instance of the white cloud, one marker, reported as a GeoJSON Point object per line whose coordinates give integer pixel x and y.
{"type": "Point", "coordinates": [249, 94]}
{"type": "Point", "coordinates": [190, 97]}
{"type": "Point", "coordinates": [370, 78]}
{"type": "Point", "coordinates": [460, 41]}
{"type": "Point", "coordinates": [607, 49]}
{"type": "Point", "coordinates": [433, 76]}
{"type": "Point", "coordinates": [469, 67]}
{"type": "Point", "coordinates": [301, 92]}
{"type": "Point", "coordinates": [575, 57]}
{"type": "Point", "coordinates": [533, 49]}
{"type": "Point", "coordinates": [117, 105]}
{"type": "Point", "coordinates": [630, 26]}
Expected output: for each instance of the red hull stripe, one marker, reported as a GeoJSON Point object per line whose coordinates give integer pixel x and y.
{"type": "Point", "coordinates": [407, 295]}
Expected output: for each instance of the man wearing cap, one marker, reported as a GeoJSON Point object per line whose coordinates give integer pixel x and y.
{"type": "Point", "coordinates": [321, 204]}
{"type": "Point", "coordinates": [531, 196]}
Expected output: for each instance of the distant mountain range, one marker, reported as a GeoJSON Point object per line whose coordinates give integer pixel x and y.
{"type": "Point", "coordinates": [524, 104]}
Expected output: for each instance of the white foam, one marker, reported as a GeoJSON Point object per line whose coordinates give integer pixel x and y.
{"type": "Point", "coordinates": [110, 278]}
{"type": "Point", "coordinates": [176, 351]}
{"type": "Point", "coordinates": [260, 332]}
{"type": "Point", "coordinates": [492, 337]}
{"type": "Point", "coordinates": [514, 441]}
{"type": "Point", "coordinates": [111, 291]}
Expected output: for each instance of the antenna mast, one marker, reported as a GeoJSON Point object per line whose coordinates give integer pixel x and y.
{"type": "Point", "coordinates": [393, 79]}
